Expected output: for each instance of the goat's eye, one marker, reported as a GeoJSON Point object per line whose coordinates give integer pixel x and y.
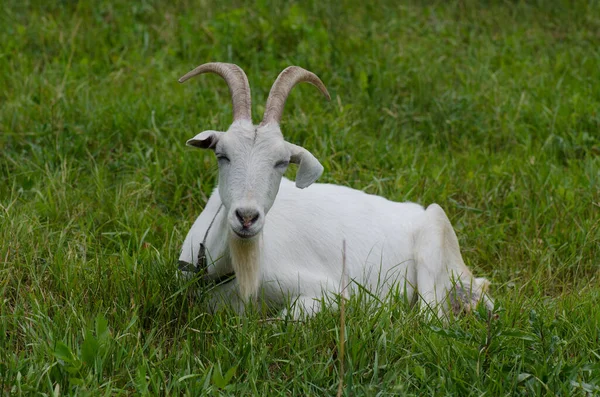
{"type": "Point", "coordinates": [282, 164]}
{"type": "Point", "coordinates": [222, 158]}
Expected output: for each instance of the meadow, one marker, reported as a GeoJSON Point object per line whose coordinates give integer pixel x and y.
{"type": "Point", "coordinates": [488, 108]}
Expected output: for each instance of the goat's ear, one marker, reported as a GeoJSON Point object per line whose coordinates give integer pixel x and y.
{"type": "Point", "coordinates": [310, 169]}
{"type": "Point", "coordinates": [205, 140]}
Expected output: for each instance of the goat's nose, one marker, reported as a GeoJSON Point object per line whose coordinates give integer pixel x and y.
{"type": "Point", "coordinates": [247, 216]}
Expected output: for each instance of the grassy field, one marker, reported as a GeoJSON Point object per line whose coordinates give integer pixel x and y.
{"type": "Point", "coordinates": [490, 109]}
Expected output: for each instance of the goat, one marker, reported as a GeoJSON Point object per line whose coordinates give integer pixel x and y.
{"type": "Point", "coordinates": [295, 254]}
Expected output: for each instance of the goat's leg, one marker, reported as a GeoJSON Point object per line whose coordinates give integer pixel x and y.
{"type": "Point", "coordinates": [226, 295]}
{"type": "Point", "coordinates": [302, 307]}
{"type": "Point", "coordinates": [306, 306]}
{"type": "Point", "coordinates": [443, 279]}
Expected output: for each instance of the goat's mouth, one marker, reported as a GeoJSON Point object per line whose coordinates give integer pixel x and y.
{"type": "Point", "coordinates": [245, 234]}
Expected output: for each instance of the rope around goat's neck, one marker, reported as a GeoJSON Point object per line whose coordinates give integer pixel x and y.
{"type": "Point", "coordinates": [202, 251]}
{"type": "Point", "coordinates": [201, 265]}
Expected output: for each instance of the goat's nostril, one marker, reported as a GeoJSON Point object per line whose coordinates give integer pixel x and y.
{"type": "Point", "coordinates": [239, 216]}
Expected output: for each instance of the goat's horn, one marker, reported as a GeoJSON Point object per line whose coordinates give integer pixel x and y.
{"type": "Point", "coordinates": [238, 86]}
{"type": "Point", "coordinates": [281, 88]}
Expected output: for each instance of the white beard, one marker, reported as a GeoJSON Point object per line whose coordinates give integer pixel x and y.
{"type": "Point", "coordinates": [245, 258]}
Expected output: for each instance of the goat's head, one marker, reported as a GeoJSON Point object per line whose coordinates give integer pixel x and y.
{"type": "Point", "coordinates": [252, 159]}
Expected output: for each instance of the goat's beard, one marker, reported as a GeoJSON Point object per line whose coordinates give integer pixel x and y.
{"type": "Point", "coordinates": [245, 258]}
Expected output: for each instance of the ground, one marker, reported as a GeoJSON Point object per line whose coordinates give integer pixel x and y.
{"type": "Point", "coordinates": [487, 108]}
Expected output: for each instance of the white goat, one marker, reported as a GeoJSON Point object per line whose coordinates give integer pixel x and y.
{"type": "Point", "coordinates": [296, 253]}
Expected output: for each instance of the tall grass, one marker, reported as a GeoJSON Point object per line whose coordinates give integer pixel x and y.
{"type": "Point", "coordinates": [488, 108]}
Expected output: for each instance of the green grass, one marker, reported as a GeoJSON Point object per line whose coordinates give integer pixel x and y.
{"type": "Point", "coordinates": [490, 109]}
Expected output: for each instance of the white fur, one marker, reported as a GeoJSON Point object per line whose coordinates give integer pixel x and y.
{"type": "Point", "coordinates": [388, 244]}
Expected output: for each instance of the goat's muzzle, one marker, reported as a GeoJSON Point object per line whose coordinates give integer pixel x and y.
{"type": "Point", "coordinates": [247, 222]}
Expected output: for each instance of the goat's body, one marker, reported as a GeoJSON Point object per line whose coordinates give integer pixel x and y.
{"type": "Point", "coordinates": [388, 244]}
